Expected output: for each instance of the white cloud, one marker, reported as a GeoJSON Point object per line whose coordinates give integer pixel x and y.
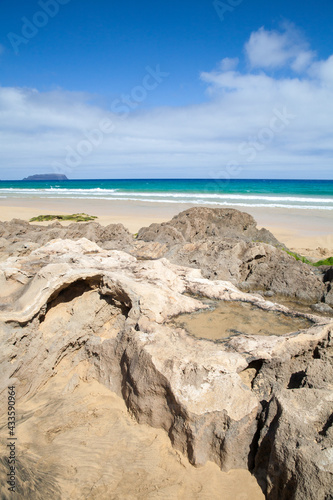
{"type": "Point", "coordinates": [228, 63]}
{"type": "Point", "coordinates": [323, 71]}
{"type": "Point", "coordinates": [276, 49]}
{"type": "Point", "coordinates": [240, 125]}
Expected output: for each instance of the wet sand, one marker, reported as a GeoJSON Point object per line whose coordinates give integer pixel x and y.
{"type": "Point", "coordinates": [309, 232]}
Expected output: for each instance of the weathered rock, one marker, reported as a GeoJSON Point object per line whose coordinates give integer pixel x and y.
{"type": "Point", "coordinates": [329, 295]}
{"type": "Point", "coordinates": [226, 244]}
{"type": "Point", "coordinates": [150, 250]}
{"type": "Point", "coordinates": [295, 455]}
{"type": "Point", "coordinates": [296, 433]}
{"type": "Point", "coordinates": [72, 300]}
{"type": "Point", "coordinates": [22, 237]}
{"type": "Point", "coordinates": [252, 266]}
{"type": "Point", "coordinates": [322, 308]}
{"type": "Point", "coordinates": [199, 223]}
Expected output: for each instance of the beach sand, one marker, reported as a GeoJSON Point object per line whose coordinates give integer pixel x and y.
{"type": "Point", "coordinates": [309, 232]}
{"type": "Point", "coordinates": [88, 443]}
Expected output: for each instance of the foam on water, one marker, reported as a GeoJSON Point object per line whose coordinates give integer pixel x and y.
{"type": "Point", "coordinates": [304, 195]}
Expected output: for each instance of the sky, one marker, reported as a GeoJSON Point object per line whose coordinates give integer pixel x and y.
{"type": "Point", "coordinates": [166, 89]}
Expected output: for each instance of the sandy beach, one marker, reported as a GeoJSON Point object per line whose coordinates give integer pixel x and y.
{"type": "Point", "coordinates": [309, 232]}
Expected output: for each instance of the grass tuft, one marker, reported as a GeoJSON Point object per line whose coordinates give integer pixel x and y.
{"type": "Point", "coordinates": [323, 262]}
{"type": "Point", "coordinates": [297, 256]}
{"type": "Point", "coordinates": [74, 217]}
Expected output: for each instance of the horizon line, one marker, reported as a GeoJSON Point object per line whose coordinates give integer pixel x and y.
{"type": "Point", "coordinates": [160, 179]}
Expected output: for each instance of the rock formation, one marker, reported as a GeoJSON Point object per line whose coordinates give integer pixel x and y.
{"type": "Point", "coordinates": [224, 243]}
{"type": "Point", "coordinates": [18, 237]}
{"type": "Point", "coordinates": [73, 313]}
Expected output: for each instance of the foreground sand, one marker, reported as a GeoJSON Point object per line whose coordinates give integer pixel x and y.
{"type": "Point", "coordinates": [309, 232]}
{"type": "Point", "coordinates": [87, 437]}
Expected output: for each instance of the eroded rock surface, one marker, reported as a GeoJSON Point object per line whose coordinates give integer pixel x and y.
{"type": "Point", "coordinates": [99, 316]}
{"type": "Point", "coordinates": [226, 244]}
{"type": "Point", "coordinates": [199, 223]}
{"type": "Point", "coordinates": [18, 237]}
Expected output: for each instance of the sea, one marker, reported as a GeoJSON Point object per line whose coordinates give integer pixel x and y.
{"type": "Point", "coordinates": [300, 194]}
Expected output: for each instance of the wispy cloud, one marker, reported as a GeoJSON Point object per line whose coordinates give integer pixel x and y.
{"type": "Point", "coordinates": [190, 141]}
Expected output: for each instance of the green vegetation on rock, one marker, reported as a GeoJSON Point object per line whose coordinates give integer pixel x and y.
{"type": "Point", "coordinates": [297, 256]}
{"type": "Point", "coordinates": [73, 217]}
{"type": "Point", "coordinates": [324, 262]}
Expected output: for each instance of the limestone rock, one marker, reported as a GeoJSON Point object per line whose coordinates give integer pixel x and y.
{"type": "Point", "coordinates": [295, 455]}
{"type": "Point", "coordinates": [257, 402]}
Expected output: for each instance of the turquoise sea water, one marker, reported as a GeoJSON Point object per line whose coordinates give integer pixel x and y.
{"type": "Point", "coordinates": [304, 194]}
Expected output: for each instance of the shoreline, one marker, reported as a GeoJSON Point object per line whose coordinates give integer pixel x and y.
{"type": "Point", "coordinates": [309, 232]}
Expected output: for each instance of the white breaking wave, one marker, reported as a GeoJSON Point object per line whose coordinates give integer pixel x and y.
{"type": "Point", "coordinates": [202, 198]}
{"type": "Point", "coordinates": [205, 202]}
{"type": "Point", "coordinates": [218, 196]}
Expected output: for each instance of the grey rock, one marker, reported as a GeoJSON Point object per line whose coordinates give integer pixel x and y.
{"type": "Point", "coordinates": [226, 244]}
{"type": "Point", "coordinates": [321, 307]}
{"type": "Point", "coordinates": [295, 454]}
{"type": "Point", "coordinates": [329, 295]}
{"type": "Point", "coordinates": [22, 237]}
{"type": "Point", "coordinates": [198, 223]}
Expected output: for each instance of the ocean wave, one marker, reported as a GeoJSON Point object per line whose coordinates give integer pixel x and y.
{"type": "Point", "coordinates": [231, 196]}
{"type": "Point", "coordinates": [205, 202]}
{"type": "Point", "coordinates": [100, 192]}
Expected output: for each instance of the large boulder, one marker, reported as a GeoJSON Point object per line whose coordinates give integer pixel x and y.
{"type": "Point", "coordinates": [226, 244]}
{"type": "Point", "coordinates": [199, 223]}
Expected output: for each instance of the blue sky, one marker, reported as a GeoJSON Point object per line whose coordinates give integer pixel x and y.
{"type": "Point", "coordinates": [166, 89]}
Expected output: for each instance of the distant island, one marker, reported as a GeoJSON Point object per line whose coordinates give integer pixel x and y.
{"type": "Point", "coordinates": [46, 177]}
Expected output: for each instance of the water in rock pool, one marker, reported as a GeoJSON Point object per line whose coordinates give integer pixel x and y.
{"type": "Point", "coordinates": [229, 318]}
